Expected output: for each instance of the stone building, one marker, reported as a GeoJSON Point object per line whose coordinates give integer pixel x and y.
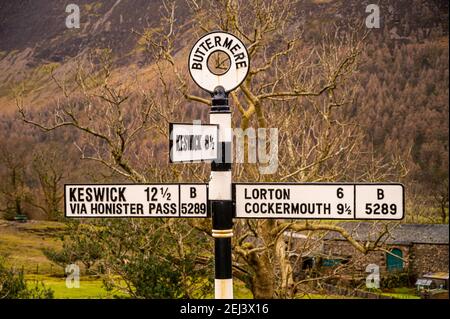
{"type": "Point", "coordinates": [413, 248]}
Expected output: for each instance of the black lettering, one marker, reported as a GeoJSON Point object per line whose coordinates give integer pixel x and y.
{"type": "Point", "coordinates": [217, 41]}
{"type": "Point", "coordinates": [209, 44]}
{"type": "Point", "coordinates": [78, 209]}
{"type": "Point", "coordinates": [122, 194]}
{"type": "Point", "coordinates": [80, 194]}
{"type": "Point", "coordinates": [203, 46]}
{"type": "Point", "coordinates": [235, 48]}
{"type": "Point", "coordinates": [72, 196]}
{"type": "Point", "coordinates": [199, 52]}
{"type": "Point", "coordinates": [278, 193]}
{"type": "Point", "coordinates": [87, 194]}
{"type": "Point", "coordinates": [227, 43]}
{"type": "Point", "coordinates": [263, 193]}
{"type": "Point", "coordinates": [380, 193]}
{"type": "Point", "coordinates": [93, 209]}
{"type": "Point", "coordinates": [241, 64]}
{"type": "Point", "coordinates": [99, 193]}
{"type": "Point", "coordinates": [112, 197]}
{"type": "Point", "coordinates": [178, 142]}
{"type": "Point", "coordinates": [239, 56]}
{"type": "Point", "coordinates": [197, 58]}
{"type": "Point", "coordinates": [193, 192]}
{"type": "Point", "coordinates": [279, 209]}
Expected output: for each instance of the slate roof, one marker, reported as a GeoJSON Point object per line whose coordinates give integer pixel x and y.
{"type": "Point", "coordinates": [401, 234]}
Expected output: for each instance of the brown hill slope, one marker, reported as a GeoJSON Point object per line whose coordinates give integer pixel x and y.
{"type": "Point", "coordinates": [402, 98]}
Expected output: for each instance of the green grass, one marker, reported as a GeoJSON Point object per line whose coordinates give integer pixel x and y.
{"type": "Point", "coordinates": [240, 291]}
{"type": "Point", "coordinates": [401, 293]}
{"type": "Point", "coordinates": [320, 296]}
{"type": "Point", "coordinates": [89, 288]}
{"type": "Point", "coordinates": [400, 296]}
{"type": "Point", "coordinates": [23, 244]}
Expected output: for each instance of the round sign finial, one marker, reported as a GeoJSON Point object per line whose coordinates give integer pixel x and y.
{"type": "Point", "coordinates": [219, 59]}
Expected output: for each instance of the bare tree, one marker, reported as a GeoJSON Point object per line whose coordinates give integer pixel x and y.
{"type": "Point", "coordinates": [310, 83]}
{"type": "Point", "coordinates": [120, 129]}
{"type": "Point", "coordinates": [48, 167]}
{"type": "Point", "coordinates": [14, 193]}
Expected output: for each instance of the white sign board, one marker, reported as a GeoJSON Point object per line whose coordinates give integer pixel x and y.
{"type": "Point", "coordinates": [228, 45]}
{"type": "Point", "coordinates": [320, 201]}
{"type": "Point", "coordinates": [193, 142]}
{"type": "Point", "coordinates": [379, 201]}
{"type": "Point", "coordinates": [135, 200]}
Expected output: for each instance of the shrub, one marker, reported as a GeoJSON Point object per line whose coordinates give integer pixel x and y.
{"type": "Point", "coordinates": [14, 286]}
{"type": "Point", "coordinates": [396, 279]}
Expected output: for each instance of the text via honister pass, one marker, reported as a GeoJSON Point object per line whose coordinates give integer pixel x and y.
{"type": "Point", "coordinates": [152, 200]}
{"type": "Point", "coordinates": [320, 201]}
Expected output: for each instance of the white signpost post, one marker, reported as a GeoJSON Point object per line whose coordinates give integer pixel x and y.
{"type": "Point", "coordinates": [220, 198]}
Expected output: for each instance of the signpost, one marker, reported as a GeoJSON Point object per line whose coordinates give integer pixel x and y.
{"type": "Point", "coordinates": [220, 198]}
{"type": "Point", "coordinates": [193, 142]}
{"type": "Point", "coordinates": [320, 201]}
{"type": "Point", "coordinates": [135, 200]}
{"type": "Point", "coordinates": [219, 81]}
{"type": "Point", "coordinates": [234, 52]}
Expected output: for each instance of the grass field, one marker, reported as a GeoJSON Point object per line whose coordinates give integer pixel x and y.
{"type": "Point", "coordinates": [22, 243]}
{"type": "Point", "coordinates": [402, 293]}
{"type": "Point", "coordinates": [89, 288]}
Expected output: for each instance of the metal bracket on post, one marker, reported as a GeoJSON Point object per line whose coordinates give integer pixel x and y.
{"type": "Point", "coordinates": [220, 196]}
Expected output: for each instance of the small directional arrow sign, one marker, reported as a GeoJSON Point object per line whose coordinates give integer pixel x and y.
{"type": "Point", "coordinates": [136, 200]}
{"type": "Point", "coordinates": [193, 142]}
{"type": "Point", "coordinates": [319, 201]}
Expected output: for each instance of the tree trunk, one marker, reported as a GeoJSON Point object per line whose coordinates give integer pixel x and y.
{"type": "Point", "coordinates": [264, 279]}
{"type": "Point", "coordinates": [287, 280]}
{"type": "Point", "coordinates": [443, 214]}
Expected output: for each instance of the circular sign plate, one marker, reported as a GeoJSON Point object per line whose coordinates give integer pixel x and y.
{"type": "Point", "coordinates": [219, 58]}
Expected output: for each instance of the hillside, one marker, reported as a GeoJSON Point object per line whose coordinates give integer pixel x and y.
{"type": "Point", "coordinates": [402, 92]}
